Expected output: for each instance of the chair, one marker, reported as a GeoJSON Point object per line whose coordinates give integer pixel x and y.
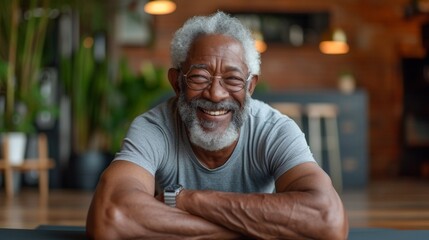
{"type": "Point", "coordinates": [42, 164]}
{"type": "Point", "coordinates": [326, 113]}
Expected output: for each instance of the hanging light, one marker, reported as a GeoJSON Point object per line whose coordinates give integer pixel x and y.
{"type": "Point", "coordinates": [260, 44]}
{"type": "Point", "coordinates": [159, 7]}
{"type": "Point", "coordinates": [334, 42]}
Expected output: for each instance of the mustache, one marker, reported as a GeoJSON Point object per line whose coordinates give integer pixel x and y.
{"type": "Point", "coordinates": [224, 105]}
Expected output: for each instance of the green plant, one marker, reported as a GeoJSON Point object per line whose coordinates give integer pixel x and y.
{"type": "Point", "coordinates": [131, 95]}
{"type": "Point", "coordinates": [86, 82]}
{"type": "Point", "coordinates": [85, 76]}
{"type": "Point", "coordinates": [23, 28]}
{"type": "Point", "coordinates": [104, 106]}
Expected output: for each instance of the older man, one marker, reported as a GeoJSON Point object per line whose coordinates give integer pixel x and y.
{"type": "Point", "coordinates": [212, 162]}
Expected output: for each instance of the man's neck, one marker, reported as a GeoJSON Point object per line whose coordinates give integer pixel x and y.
{"type": "Point", "coordinates": [213, 159]}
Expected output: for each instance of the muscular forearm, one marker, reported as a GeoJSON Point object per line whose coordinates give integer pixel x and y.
{"type": "Point", "coordinates": [136, 214]}
{"type": "Point", "coordinates": [292, 215]}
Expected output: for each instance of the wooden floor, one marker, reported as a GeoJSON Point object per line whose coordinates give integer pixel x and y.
{"type": "Point", "coordinates": [401, 204]}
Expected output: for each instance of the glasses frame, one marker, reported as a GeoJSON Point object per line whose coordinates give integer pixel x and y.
{"type": "Point", "coordinates": [221, 81]}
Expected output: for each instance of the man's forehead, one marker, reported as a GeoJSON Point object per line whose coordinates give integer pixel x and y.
{"type": "Point", "coordinates": [217, 49]}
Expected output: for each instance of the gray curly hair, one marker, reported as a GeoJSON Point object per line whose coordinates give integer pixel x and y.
{"type": "Point", "coordinates": [217, 23]}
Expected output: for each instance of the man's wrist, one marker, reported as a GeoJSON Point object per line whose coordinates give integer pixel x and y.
{"type": "Point", "coordinates": [170, 194]}
{"type": "Point", "coordinates": [180, 199]}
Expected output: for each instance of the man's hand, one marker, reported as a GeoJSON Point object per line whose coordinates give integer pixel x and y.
{"type": "Point", "coordinates": [160, 197]}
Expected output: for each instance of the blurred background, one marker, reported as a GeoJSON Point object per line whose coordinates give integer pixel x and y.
{"type": "Point", "coordinates": [80, 71]}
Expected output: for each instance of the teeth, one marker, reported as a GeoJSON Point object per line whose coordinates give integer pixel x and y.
{"type": "Point", "coordinates": [215, 113]}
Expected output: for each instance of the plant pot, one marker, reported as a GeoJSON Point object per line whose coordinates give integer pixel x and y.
{"type": "Point", "coordinates": [16, 149]}
{"type": "Point", "coordinates": [17, 146]}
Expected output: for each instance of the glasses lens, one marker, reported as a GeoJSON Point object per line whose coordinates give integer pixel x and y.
{"type": "Point", "coordinates": [200, 79]}
{"type": "Point", "coordinates": [233, 82]}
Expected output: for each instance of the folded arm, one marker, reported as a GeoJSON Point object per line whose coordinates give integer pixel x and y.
{"type": "Point", "coordinates": [124, 207]}
{"type": "Point", "coordinates": [305, 206]}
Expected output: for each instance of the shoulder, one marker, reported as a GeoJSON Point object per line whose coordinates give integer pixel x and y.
{"type": "Point", "coordinates": [267, 122]}
{"type": "Point", "coordinates": [149, 139]}
{"type": "Point", "coordinates": [162, 110]}
{"type": "Point", "coordinates": [261, 112]}
{"type": "Point", "coordinates": [159, 121]}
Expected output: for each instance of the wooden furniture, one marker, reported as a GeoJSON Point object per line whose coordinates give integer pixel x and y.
{"type": "Point", "coordinates": [322, 133]}
{"type": "Point", "coordinates": [352, 126]}
{"type": "Point", "coordinates": [292, 110]}
{"type": "Point", "coordinates": [320, 139]}
{"type": "Point", "coordinates": [42, 165]}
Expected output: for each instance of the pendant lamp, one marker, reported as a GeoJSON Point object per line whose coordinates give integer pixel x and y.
{"type": "Point", "coordinates": [260, 44]}
{"type": "Point", "coordinates": [160, 7]}
{"type": "Point", "coordinates": [334, 42]}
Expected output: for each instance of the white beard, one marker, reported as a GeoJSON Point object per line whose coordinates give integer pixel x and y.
{"type": "Point", "coordinates": [213, 140]}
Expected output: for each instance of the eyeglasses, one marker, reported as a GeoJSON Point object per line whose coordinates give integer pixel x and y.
{"type": "Point", "coordinates": [199, 79]}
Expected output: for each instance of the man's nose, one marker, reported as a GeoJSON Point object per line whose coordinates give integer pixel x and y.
{"type": "Point", "coordinates": [216, 92]}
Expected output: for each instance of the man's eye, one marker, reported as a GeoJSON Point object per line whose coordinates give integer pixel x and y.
{"type": "Point", "coordinates": [234, 80]}
{"type": "Point", "coordinates": [199, 78]}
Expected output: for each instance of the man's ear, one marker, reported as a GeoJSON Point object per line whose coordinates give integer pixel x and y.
{"type": "Point", "coordinates": [252, 84]}
{"type": "Point", "coordinates": [173, 77]}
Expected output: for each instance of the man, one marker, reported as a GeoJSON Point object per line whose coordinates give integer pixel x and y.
{"type": "Point", "coordinates": [213, 163]}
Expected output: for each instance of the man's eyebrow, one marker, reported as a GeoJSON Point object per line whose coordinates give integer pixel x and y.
{"type": "Point", "coordinates": [200, 66]}
{"type": "Point", "coordinates": [206, 67]}
{"type": "Point", "coordinates": [233, 69]}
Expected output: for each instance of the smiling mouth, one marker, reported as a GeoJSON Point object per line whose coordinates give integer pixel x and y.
{"type": "Point", "coordinates": [215, 113]}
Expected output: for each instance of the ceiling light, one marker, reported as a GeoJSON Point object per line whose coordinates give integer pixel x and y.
{"type": "Point", "coordinates": [159, 7]}
{"type": "Point", "coordinates": [260, 44]}
{"type": "Point", "coordinates": [334, 42]}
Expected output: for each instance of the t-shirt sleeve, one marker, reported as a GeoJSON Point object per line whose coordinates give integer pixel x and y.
{"type": "Point", "coordinates": [144, 145]}
{"type": "Point", "coordinates": [286, 147]}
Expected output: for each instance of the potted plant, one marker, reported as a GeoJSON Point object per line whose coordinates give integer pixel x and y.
{"type": "Point", "coordinates": [103, 107]}
{"type": "Point", "coordinates": [23, 28]}
{"type": "Point", "coordinates": [86, 80]}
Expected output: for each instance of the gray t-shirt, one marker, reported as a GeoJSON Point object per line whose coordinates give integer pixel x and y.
{"type": "Point", "coordinates": [270, 143]}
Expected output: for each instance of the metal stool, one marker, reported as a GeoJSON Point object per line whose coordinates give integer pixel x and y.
{"type": "Point", "coordinates": [327, 113]}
